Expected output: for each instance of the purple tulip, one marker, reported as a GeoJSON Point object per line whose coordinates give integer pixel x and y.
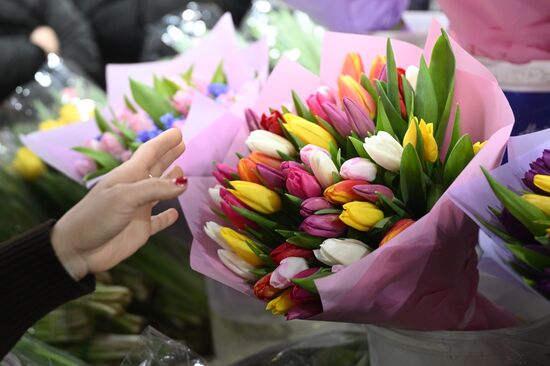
{"type": "Point", "coordinates": [539, 166]}
{"type": "Point", "coordinates": [299, 296]}
{"type": "Point", "coordinates": [515, 227]}
{"type": "Point", "coordinates": [324, 226]}
{"type": "Point", "coordinates": [302, 184]}
{"type": "Point", "coordinates": [287, 165]}
{"type": "Point", "coordinates": [383, 75]}
{"type": "Point", "coordinates": [337, 118]}
{"type": "Point", "coordinates": [304, 311]}
{"type": "Point", "coordinates": [314, 204]}
{"type": "Point", "coordinates": [252, 119]}
{"type": "Point", "coordinates": [273, 178]}
{"type": "Point", "coordinates": [369, 191]}
{"type": "Point", "coordinates": [543, 283]}
{"type": "Point", "coordinates": [361, 123]}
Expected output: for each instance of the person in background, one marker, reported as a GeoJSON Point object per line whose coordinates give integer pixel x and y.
{"type": "Point", "coordinates": [55, 262]}
{"type": "Point", "coordinates": [30, 29]}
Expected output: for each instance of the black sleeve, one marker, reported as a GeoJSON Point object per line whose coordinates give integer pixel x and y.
{"type": "Point", "coordinates": [76, 38]}
{"type": "Point", "coordinates": [32, 283]}
{"type": "Point", "coordinates": [19, 60]}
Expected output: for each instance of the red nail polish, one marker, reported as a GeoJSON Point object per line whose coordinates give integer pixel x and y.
{"type": "Point", "coordinates": [181, 181]}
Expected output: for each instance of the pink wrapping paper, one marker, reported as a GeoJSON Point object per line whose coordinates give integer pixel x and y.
{"type": "Point", "coordinates": [209, 129]}
{"type": "Point", "coordinates": [426, 278]}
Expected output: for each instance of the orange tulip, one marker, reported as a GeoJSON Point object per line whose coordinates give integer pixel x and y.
{"type": "Point", "coordinates": [353, 66]}
{"type": "Point", "coordinates": [342, 192]}
{"type": "Point", "coordinates": [376, 67]}
{"type": "Point", "coordinates": [396, 230]}
{"type": "Point", "coordinates": [258, 157]}
{"type": "Point", "coordinates": [247, 171]}
{"type": "Point", "coordinates": [348, 87]}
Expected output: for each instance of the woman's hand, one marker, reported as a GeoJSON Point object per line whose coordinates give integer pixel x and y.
{"type": "Point", "coordinates": [114, 219]}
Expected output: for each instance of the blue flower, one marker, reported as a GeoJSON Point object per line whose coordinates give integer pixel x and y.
{"type": "Point", "coordinates": [167, 120]}
{"type": "Point", "coordinates": [217, 89]}
{"type": "Point", "coordinates": [147, 135]}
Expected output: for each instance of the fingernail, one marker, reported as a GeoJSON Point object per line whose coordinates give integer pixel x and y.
{"type": "Point", "coordinates": [181, 181]}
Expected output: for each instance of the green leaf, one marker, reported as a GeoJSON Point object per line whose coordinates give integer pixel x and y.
{"type": "Point", "coordinates": [358, 145]}
{"type": "Point", "coordinates": [293, 202]}
{"type": "Point", "coordinates": [285, 157]}
{"type": "Point", "coordinates": [530, 257]}
{"type": "Point", "coordinates": [305, 240]}
{"type": "Point", "coordinates": [408, 95]}
{"type": "Point", "coordinates": [255, 217]}
{"type": "Point", "coordinates": [497, 231]}
{"type": "Point", "coordinates": [219, 75]}
{"type": "Point", "coordinates": [425, 101]}
{"type": "Point", "coordinates": [381, 223]}
{"type": "Point", "coordinates": [151, 102]}
{"type": "Point", "coordinates": [350, 150]}
{"type": "Point", "coordinates": [398, 124]}
{"type": "Point", "coordinates": [366, 83]}
{"type": "Point", "coordinates": [266, 259]}
{"type": "Point", "coordinates": [129, 105]}
{"type": "Point", "coordinates": [301, 109]}
{"type": "Point", "coordinates": [459, 157]}
{"type": "Point", "coordinates": [101, 122]}
{"type": "Point", "coordinates": [286, 233]}
{"type": "Point", "coordinates": [382, 121]}
{"type": "Point", "coordinates": [328, 211]}
{"type": "Point", "coordinates": [284, 110]}
{"type": "Point", "coordinates": [328, 127]}
{"type": "Point", "coordinates": [522, 210]}
{"type": "Point", "coordinates": [412, 183]}
{"type": "Point", "coordinates": [308, 283]}
{"type": "Point", "coordinates": [434, 193]}
{"type": "Point", "coordinates": [455, 136]}
{"type": "Point", "coordinates": [392, 205]}
{"type": "Point", "coordinates": [188, 76]}
{"type": "Point", "coordinates": [165, 87]}
{"type": "Point", "coordinates": [103, 159]}
{"type": "Point", "coordinates": [261, 272]}
{"type": "Point", "coordinates": [393, 81]}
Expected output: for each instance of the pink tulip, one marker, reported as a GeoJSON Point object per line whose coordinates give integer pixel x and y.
{"type": "Point", "coordinates": [359, 168]}
{"type": "Point", "coordinates": [306, 151]}
{"type": "Point", "coordinates": [85, 166]}
{"type": "Point", "coordinates": [287, 269]}
{"type": "Point", "coordinates": [322, 95]}
{"type": "Point", "coordinates": [302, 184]}
{"type": "Point", "coordinates": [182, 100]}
{"type": "Point", "coordinates": [111, 144]}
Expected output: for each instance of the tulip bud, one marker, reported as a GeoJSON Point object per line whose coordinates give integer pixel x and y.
{"type": "Point", "coordinates": [286, 166]}
{"type": "Point", "coordinates": [271, 123]}
{"type": "Point", "coordinates": [302, 184]}
{"type": "Point", "coordinates": [263, 290]}
{"type": "Point", "coordinates": [308, 132]}
{"type": "Point", "coordinates": [342, 192]}
{"type": "Point", "coordinates": [214, 193]}
{"type": "Point", "coordinates": [287, 250]}
{"type": "Point", "coordinates": [350, 88]}
{"type": "Point", "coordinates": [256, 196]}
{"type": "Point", "coordinates": [323, 168]}
{"type": "Point", "coordinates": [247, 170]}
{"type": "Point", "coordinates": [239, 244]}
{"type": "Point", "coordinates": [359, 168]}
{"type": "Point", "coordinates": [109, 143]}
{"type": "Point", "coordinates": [384, 150]}
{"type": "Point", "coordinates": [252, 120]}
{"type": "Point", "coordinates": [212, 229]}
{"type": "Point", "coordinates": [370, 192]}
{"type": "Point", "coordinates": [341, 251]}
{"type": "Point", "coordinates": [542, 182]}
{"type": "Point", "coordinates": [430, 152]}
{"type": "Point", "coordinates": [272, 178]}
{"type": "Point", "coordinates": [399, 227]}
{"type": "Point", "coordinates": [287, 269]}
{"type": "Point", "coordinates": [322, 95]}
{"type": "Point", "coordinates": [478, 146]}
{"type": "Point", "coordinates": [353, 66]}
{"type": "Point", "coordinates": [361, 216]}
{"type": "Point", "coordinates": [305, 310]}
{"type": "Point", "coordinates": [377, 67]}
{"type": "Point", "coordinates": [412, 75]}
{"type": "Point", "coordinates": [307, 150]}
{"type": "Point", "coordinates": [281, 304]}
{"type": "Point", "coordinates": [228, 200]}
{"type": "Point", "coordinates": [324, 226]}
{"type": "Point", "coordinates": [537, 200]}
{"type": "Point", "coordinates": [338, 119]}
{"type": "Point", "coordinates": [224, 173]}
{"type": "Point", "coordinates": [361, 123]}
{"type": "Point", "coordinates": [238, 266]}
{"type": "Point", "coordinates": [314, 204]}
{"type": "Point", "coordinates": [269, 143]}
{"type": "Point", "coordinates": [258, 158]}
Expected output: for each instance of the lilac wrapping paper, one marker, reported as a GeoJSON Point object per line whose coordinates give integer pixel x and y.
{"type": "Point", "coordinates": [208, 124]}
{"type": "Point", "coordinates": [426, 278]}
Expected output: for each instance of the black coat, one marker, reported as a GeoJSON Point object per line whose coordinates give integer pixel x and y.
{"type": "Point", "coordinates": [20, 59]}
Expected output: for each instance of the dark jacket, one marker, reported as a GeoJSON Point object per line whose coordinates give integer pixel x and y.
{"type": "Point", "coordinates": [20, 59]}
{"type": "Point", "coordinates": [32, 283]}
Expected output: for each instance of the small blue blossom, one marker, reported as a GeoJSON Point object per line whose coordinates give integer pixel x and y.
{"type": "Point", "coordinates": [167, 120]}
{"type": "Point", "coordinates": [217, 89]}
{"type": "Point", "coordinates": [147, 135]}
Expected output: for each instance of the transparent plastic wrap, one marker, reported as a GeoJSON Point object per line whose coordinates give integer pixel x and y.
{"type": "Point", "coordinates": [177, 32]}
{"type": "Point", "coordinates": [155, 349]}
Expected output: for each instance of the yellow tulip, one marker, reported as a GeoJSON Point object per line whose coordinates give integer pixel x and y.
{"type": "Point", "coordinates": [28, 165]}
{"type": "Point", "coordinates": [281, 304]}
{"type": "Point", "coordinates": [376, 67]}
{"type": "Point", "coordinates": [361, 215]}
{"type": "Point", "coordinates": [308, 132]}
{"type": "Point", "coordinates": [542, 202]}
{"type": "Point", "coordinates": [238, 244]}
{"type": "Point", "coordinates": [431, 150]}
{"type": "Point", "coordinates": [478, 146]}
{"type": "Point", "coordinates": [256, 196]}
{"type": "Point", "coordinates": [49, 124]}
{"type": "Point", "coordinates": [542, 182]}
{"type": "Point", "coordinates": [68, 113]}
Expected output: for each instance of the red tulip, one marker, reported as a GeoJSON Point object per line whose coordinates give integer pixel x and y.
{"type": "Point", "coordinates": [271, 123]}
{"type": "Point", "coordinates": [289, 250]}
{"type": "Point", "coordinates": [396, 230]}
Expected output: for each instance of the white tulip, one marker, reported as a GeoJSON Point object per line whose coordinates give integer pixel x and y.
{"type": "Point", "coordinates": [214, 193]}
{"type": "Point", "coordinates": [384, 150]}
{"type": "Point", "coordinates": [323, 168]}
{"type": "Point", "coordinates": [341, 251]}
{"type": "Point", "coordinates": [411, 74]}
{"type": "Point", "coordinates": [237, 265]}
{"type": "Point", "coordinates": [359, 168]}
{"type": "Point", "coordinates": [269, 143]}
{"type": "Point", "coordinates": [213, 231]}
{"type": "Point", "coordinates": [288, 268]}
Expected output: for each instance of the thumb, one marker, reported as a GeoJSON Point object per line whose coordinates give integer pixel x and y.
{"type": "Point", "coordinates": [151, 190]}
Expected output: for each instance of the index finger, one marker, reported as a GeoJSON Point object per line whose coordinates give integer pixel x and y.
{"type": "Point", "coordinates": [153, 150]}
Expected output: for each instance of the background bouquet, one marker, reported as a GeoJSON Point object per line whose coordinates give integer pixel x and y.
{"type": "Point", "coordinates": [226, 77]}
{"type": "Point", "coordinates": [341, 211]}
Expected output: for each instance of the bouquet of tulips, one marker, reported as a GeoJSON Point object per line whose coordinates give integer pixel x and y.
{"type": "Point", "coordinates": [339, 209]}
{"type": "Point", "coordinates": [512, 205]}
{"type": "Point", "coordinates": [201, 92]}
